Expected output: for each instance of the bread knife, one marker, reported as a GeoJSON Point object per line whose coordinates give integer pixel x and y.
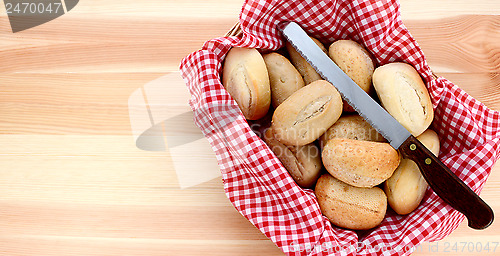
{"type": "Point", "coordinates": [442, 180]}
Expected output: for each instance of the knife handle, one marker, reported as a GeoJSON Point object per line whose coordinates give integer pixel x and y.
{"type": "Point", "coordinates": [447, 185]}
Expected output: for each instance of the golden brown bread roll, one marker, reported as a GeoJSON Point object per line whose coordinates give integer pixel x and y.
{"type": "Point", "coordinates": [430, 140]}
{"type": "Point", "coordinates": [350, 207]}
{"type": "Point", "coordinates": [351, 127]}
{"type": "Point", "coordinates": [355, 61]}
{"type": "Point", "coordinates": [302, 162]}
{"type": "Point", "coordinates": [406, 187]}
{"type": "Point", "coordinates": [307, 114]}
{"type": "Point", "coordinates": [246, 79]}
{"type": "Point", "coordinates": [404, 95]}
{"type": "Point", "coordinates": [283, 77]}
{"type": "Point", "coordinates": [360, 163]}
{"type": "Point", "coordinates": [305, 69]}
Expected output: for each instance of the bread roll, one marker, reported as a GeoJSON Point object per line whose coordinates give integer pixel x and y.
{"type": "Point", "coordinates": [305, 69]}
{"type": "Point", "coordinates": [404, 95]}
{"type": "Point", "coordinates": [307, 114]}
{"type": "Point", "coordinates": [360, 163]}
{"type": "Point", "coordinates": [430, 140]}
{"type": "Point", "coordinates": [351, 127]}
{"type": "Point", "coordinates": [283, 77]}
{"type": "Point", "coordinates": [406, 188]}
{"type": "Point", "coordinates": [246, 79]}
{"type": "Point", "coordinates": [350, 207]}
{"type": "Point", "coordinates": [355, 61]}
{"type": "Point", "coordinates": [302, 162]}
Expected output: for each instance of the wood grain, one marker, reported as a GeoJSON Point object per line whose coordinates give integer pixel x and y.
{"type": "Point", "coordinates": [469, 43]}
{"type": "Point", "coordinates": [72, 181]}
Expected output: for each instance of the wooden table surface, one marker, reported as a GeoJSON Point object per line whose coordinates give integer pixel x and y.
{"type": "Point", "coordinates": [73, 181]}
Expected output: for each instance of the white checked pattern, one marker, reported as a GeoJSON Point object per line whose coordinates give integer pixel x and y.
{"type": "Point", "coordinates": [254, 179]}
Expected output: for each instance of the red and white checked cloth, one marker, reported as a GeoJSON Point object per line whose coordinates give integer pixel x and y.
{"type": "Point", "coordinates": [261, 189]}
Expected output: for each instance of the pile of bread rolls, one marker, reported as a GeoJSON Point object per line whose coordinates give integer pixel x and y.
{"type": "Point", "coordinates": [322, 142]}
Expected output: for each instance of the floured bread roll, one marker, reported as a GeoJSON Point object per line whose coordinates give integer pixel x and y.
{"type": "Point", "coordinates": [302, 162]}
{"type": "Point", "coordinates": [406, 187]}
{"type": "Point", "coordinates": [351, 127]}
{"type": "Point", "coordinates": [404, 95]}
{"type": "Point", "coordinates": [305, 69]}
{"type": "Point", "coordinates": [283, 76]}
{"type": "Point", "coordinates": [245, 77]}
{"type": "Point", "coordinates": [360, 163]}
{"type": "Point", "coordinates": [350, 207]}
{"type": "Point", "coordinates": [355, 61]}
{"type": "Point", "coordinates": [307, 114]}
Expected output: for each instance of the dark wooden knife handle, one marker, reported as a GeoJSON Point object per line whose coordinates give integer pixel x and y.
{"type": "Point", "coordinates": [447, 185]}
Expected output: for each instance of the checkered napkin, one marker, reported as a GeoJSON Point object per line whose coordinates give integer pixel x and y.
{"type": "Point", "coordinates": [261, 189]}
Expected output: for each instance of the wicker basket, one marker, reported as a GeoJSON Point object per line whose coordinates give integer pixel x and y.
{"type": "Point", "coordinates": [235, 31]}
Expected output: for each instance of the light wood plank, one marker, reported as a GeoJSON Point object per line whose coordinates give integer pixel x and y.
{"type": "Point", "coordinates": [140, 46]}
{"type": "Point", "coordinates": [429, 9]}
{"type": "Point", "coordinates": [88, 246]}
{"type": "Point", "coordinates": [72, 181]}
{"type": "Point", "coordinates": [97, 169]}
{"type": "Point", "coordinates": [482, 86]}
{"type": "Point", "coordinates": [460, 44]}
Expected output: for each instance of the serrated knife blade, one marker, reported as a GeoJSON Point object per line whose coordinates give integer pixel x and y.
{"type": "Point", "coordinates": [441, 179]}
{"type": "Point", "coordinates": [384, 123]}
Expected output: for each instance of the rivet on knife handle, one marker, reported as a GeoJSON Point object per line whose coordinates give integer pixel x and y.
{"type": "Point", "coordinates": [447, 185]}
